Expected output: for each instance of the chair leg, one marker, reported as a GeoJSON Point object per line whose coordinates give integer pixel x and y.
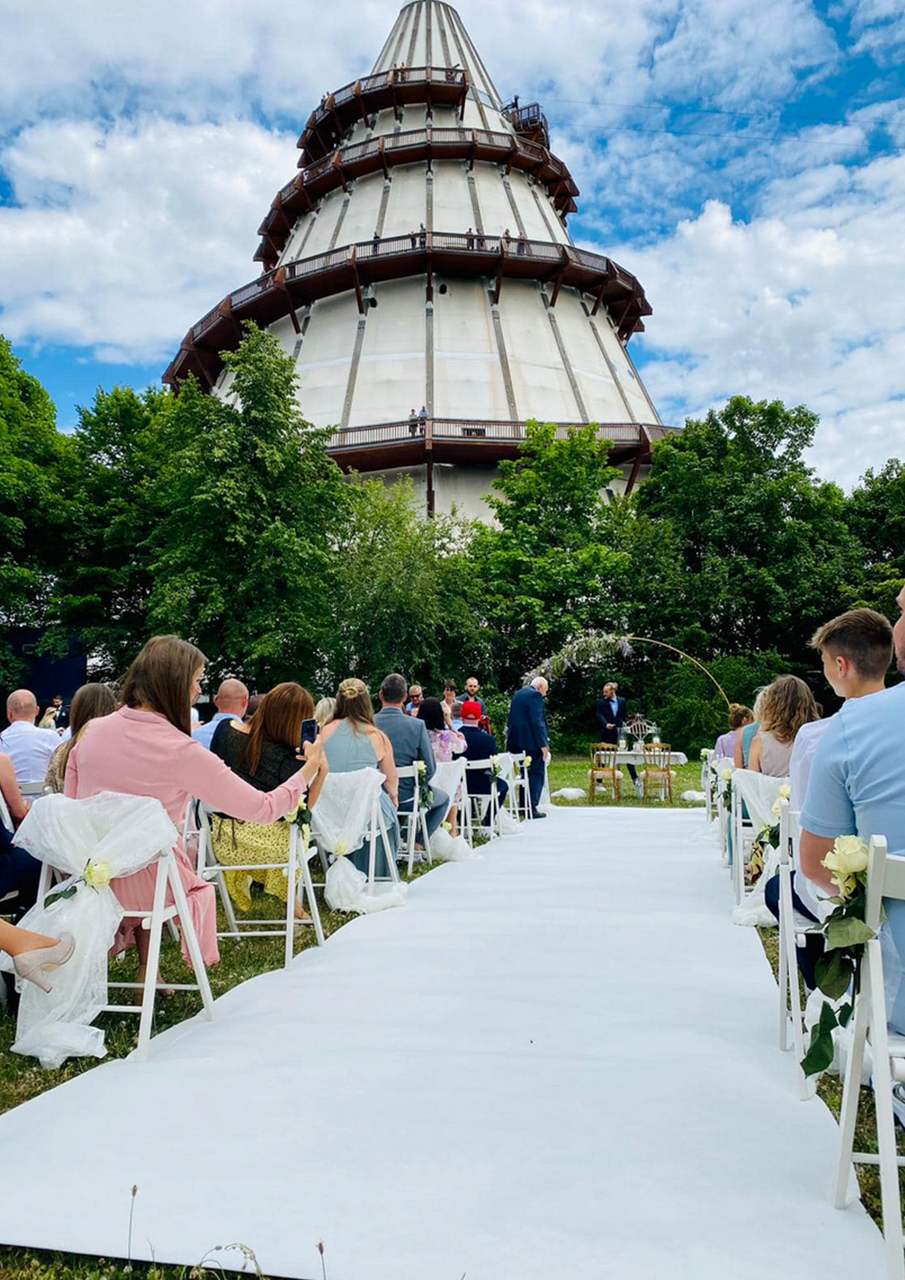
{"type": "Point", "coordinates": [313, 908]}
{"type": "Point", "coordinates": [149, 993]}
{"type": "Point", "coordinates": [191, 939]}
{"type": "Point", "coordinates": [291, 895]}
{"type": "Point", "coordinates": [785, 986]}
{"type": "Point", "coordinates": [850, 1096]}
{"type": "Point", "coordinates": [886, 1129]}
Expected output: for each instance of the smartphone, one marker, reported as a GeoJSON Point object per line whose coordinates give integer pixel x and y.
{"type": "Point", "coordinates": [309, 733]}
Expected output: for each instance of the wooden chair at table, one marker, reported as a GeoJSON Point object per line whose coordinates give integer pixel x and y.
{"type": "Point", "coordinates": [605, 771]}
{"type": "Point", "coordinates": [885, 879]}
{"type": "Point", "coordinates": [656, 771]}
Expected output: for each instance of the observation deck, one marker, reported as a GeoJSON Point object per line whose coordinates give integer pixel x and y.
{"type": "Point", "coordinates": [285, 290]}
{"type": "Point", "coordinates": [381, 154]}
{"type": "Point", "coordinates": [358, 101]}
{"type": "Point", "coordinates": [425, 442]}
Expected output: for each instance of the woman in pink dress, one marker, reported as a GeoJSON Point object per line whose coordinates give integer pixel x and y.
{"type": "Point", "coordinates": [146, 749]}
{"type": "Point", "coordinates": [446, 743]}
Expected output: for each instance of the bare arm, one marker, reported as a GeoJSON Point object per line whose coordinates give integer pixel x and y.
{"type": "Point", "coordinates": [386, 762]}
{"type": "Point", "coordinates": [10, 788]}
{"type": "Point", "coordinates": [738, 755]}
{"type": "Point", "coordinates": [316, 786]}
{"type": "Point", "coordinates": [811, 852]}
{"type": "Point", "coordinates": [756, 755]}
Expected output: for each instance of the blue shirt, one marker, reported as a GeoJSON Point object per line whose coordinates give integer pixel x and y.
{"type": "Point", "coordinates": [857, 787]}
{"type": "Point", "coordinates": [205, 732]}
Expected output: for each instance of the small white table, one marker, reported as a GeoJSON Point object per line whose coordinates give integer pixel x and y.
{"type": "Point", "coordinates": [637, 757]}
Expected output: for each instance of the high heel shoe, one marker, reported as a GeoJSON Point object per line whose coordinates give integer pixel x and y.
{"type": "Point", "coordinates": [32, 965]}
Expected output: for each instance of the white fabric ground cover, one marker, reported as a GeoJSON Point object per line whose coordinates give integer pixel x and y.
{"type": "Point", "coordinates": [556, 1061]}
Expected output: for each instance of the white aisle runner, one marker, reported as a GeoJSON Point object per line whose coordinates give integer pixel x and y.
{"type": "Point", "coordinates": [557, 1063]}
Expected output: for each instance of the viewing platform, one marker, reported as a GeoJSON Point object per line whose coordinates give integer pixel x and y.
{"type": "Point", "coordinates": [285, 290]}
{"type": "Point", "coordinates": [361, 99]}
{"type": "Point", "coordinates": [416, 145]}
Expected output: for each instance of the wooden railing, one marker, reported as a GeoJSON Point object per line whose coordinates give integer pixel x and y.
{"type": "Point", "coordinates": [432, 430]}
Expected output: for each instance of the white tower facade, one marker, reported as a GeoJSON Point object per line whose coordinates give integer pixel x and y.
{"type": "Point", "coordinates": [419, 270]}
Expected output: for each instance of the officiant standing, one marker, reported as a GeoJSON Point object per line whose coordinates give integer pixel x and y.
{"type": "Point", "coordinates": [528, 732]}
{"type": "Point", "coordinates": [611, 716]}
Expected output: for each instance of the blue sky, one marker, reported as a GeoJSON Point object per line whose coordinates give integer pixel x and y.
{"type": "Point", "coordinates": [744, 161]}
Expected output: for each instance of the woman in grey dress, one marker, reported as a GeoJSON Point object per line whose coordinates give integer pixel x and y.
{"type": "Point", "coordinates": [352, 741]}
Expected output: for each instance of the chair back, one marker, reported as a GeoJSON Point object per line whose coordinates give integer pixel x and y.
{"type": "Point", "coordinates": [345, 808]}
{"type": "Point", "coordinates": [657, 756]}
{"type": "Point", "coordinates": [5, 818]}
{"type": "Point", "coordinates": [603, 756]}
{"type": "Point", "coordinates": [885, 879]}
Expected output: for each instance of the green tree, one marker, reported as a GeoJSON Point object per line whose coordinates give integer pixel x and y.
{"type": "Point", "coordinates": [399, 600]}
{"type": "Point", "coordinates": [876, 518]}
{"type": "Point", "coordinates": [35, 515]}
{"type": "Point", "coordinates": [764, 547]}
{"type": "Point", "coordinates": [103, 588]}
{"type": "Point", "coordinates": [545, 570]}
{"type": "Point", "coordinates": [249, 508]}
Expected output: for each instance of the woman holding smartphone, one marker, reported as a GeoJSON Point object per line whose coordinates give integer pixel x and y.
{"type": "Point", "coordinates": [263, 753]}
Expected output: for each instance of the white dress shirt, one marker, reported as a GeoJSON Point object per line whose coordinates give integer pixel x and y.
{"type": "Point", "coordinates": [30, 749]}
{"type": "Point", "coordinates": [205, 732]}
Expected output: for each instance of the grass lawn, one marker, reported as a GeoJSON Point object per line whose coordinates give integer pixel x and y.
{"type": "Point", "coordinates": [21, 1078]}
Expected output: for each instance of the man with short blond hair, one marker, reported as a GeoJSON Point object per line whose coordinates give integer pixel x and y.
{"type": "Point", "coordinates": [29, 747]}
{"type": "Point", "coordinates": [231, 701]}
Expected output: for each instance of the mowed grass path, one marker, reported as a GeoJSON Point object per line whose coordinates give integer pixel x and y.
{"type": "Point", "coordinates": [21, 1078]}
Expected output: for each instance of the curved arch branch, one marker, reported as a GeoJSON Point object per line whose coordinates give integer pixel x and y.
{"type": "Point", "coordinates": [663, 645]}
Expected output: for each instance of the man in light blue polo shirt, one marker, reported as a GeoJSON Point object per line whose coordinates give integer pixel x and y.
{"type": "Point", "coordinates": [857, 787]}
{"type": "Point", "coordinates": [231, 701]}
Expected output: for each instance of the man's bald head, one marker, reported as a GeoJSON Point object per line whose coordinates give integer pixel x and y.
{"type": "Point", "coordinates": [540, 684]}
{"type": "Point", "coordinates": [232, 697]}
{"type": "Point", "coordinates": [21, 705]}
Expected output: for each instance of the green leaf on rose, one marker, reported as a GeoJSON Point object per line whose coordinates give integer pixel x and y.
{"type": "Point", "coordinates": [833, 973]}
{"type": "Point", "coordinates": [64, 893]}
{"type": "Point", "coordinates": [820, 1051]}
{"type": "Point", "coordinates": [848, 932]}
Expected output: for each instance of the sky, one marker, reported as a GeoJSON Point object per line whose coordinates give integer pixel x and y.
{"type": "Point", "coordinates": [745, 161]}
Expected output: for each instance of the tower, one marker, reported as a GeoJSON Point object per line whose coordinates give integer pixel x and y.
{"type": "Point", "coordinates": [419, 270]}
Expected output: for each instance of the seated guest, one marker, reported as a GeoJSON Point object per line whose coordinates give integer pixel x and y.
{"type": "Point", "coordinates": [146, 748]}
{"type": "Point", "coordinates": [785, 705]}
{"type": "Point", "coordinates": [19, 871]}
{"type": "Point", "coordinates": [747, 734]}
{"type": "Point", "coordinates": [323, 712]}
{"type": "Point", "coordinates": [528, 732]}
{"type": "Point", "coordinates": [450, 693]}
{"type": "Point", "coordinates": [454, 713]}
{"type": "Point", "coordinates": [856, 649]}
{"type": "Point", "coordinates": [91, 701]}
{"type": "Point", "coordinates": [263, 754]}
{"type": "Point", "coordinates": [446, 742]}
{"type": "Point", "coordinates": [353, 741]}
{"type": "Point", "coordinates": [410, 743]}
{"type": "Point", "coordinates": [31, 952]}
{"type": "Point", "coordinates": [231, 701]}
{"type": "Point", "coordinates": [480, 745]}
{"type": "Point", "coordinates": [739, 716]}
{"type": "Point", "coordinates": [416, 697]}
{"type": "Point", "coordinates": [857, 787]}
{"type": "Point", "coordinates": [29, 747]}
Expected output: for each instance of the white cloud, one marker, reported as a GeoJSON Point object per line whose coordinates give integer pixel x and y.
{"type": "Point", "coordinates": [122, 238]}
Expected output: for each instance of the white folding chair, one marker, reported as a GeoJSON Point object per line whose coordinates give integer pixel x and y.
{"type": "Point", "coordinates": [153, 920]}
{"type": "Point", "coordinates": [414, 818]}
{"type": "Point", "coordinates": [885, 879]}
{"type": "Point", "coordinates": [296, 864]}
{"type": "Point", "coordinates": [790, 1010]}
{"type": "Point", "coordinates": [330, 816]}
{"type": "Point", "coordinates": [519, 798]}
{"type": "Point", "coordinates": [707, 786]}
{"type": "Point", "coordinates": [31, 788]}
{"type": "Point", "coordinates": [743, 834]}
{"type": "Point", "coordinates": [482, 801]}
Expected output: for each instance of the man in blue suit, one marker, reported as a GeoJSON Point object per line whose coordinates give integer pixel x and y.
{"type": "Point", "coordinates": [611, 716]}
{"type": "Point", "coordinates": [528, 732]}
{"type": "Point", "coordinates": [410, 743]}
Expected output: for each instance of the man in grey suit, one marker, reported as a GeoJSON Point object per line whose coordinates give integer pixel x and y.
{"type": "Point", "coordinates": [410, 743]}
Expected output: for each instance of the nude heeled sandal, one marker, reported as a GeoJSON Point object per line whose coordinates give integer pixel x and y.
{"type": "Point", "coordinates": [32, 965]}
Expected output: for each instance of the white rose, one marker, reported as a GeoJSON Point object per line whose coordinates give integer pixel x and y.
{"type": "Point", "coordinates": [422, 767]}
{"type": "Point", "coordinates": [527, 762]}
{"type": "Point", "coordinates": [777, 807]}
{"type": "Point", "coordinates": [785, 791]}
{"type": "Point", "coordinates": [98, 874]}
{"type": "Point", "coordinates": [848, 856]}
{"type": "Point", "coordinates": [341, 849]}
{"type": "Point", "coordinates": [725, 774]}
